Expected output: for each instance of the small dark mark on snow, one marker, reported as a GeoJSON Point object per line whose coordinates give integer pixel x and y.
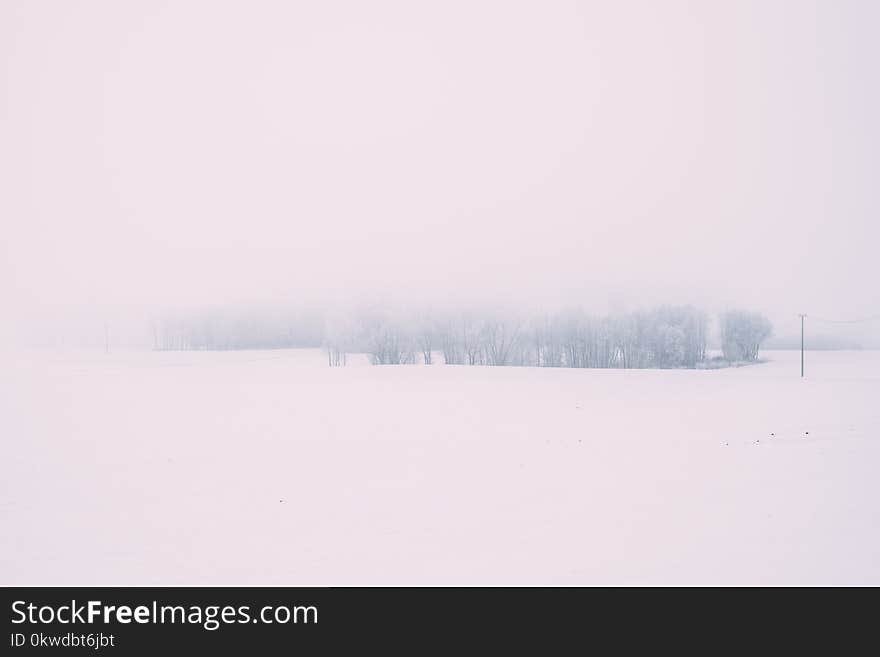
{"type": "Point", "coordinates": [806, 433]}
{"type": "Point", "coordinates": [772, 434]}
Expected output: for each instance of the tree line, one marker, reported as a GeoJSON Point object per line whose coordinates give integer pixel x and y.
{"type": "Point", "coordinates": [228, 330]}
{"type": "Point", "coordinates": [663, 337]}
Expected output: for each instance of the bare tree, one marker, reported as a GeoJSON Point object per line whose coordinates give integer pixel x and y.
{"type": "Point", "coordinates": [742, 334]}
{"type": "Point", "coordinates": [500, 339]}
{"type": "Point", "coordinates": [386, 341]}
{"type": "Point", "coordinates": [451, 345]}
{"type": "Point", "coordinates": [426, 338]}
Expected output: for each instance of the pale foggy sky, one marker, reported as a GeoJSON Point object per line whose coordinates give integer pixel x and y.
{"type": "Point", "coordinates": [611, 153]}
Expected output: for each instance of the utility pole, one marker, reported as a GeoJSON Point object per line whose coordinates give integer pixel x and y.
{"type": "Point", "coordinates": [802, 344]}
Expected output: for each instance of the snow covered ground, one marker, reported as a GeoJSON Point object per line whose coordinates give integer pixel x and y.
{"type": "Point", "coordinates": [271, 468]}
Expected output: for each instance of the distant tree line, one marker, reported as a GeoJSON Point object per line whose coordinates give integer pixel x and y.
{"type": "Point", "coordinates": [209, 331]}
{"type": "Point", "coordinates": [663, 337]}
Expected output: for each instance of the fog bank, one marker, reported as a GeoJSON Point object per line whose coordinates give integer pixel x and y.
{"type": "Point", "coordinates": [193, 155]}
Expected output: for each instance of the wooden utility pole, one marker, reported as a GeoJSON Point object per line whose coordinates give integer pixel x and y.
{"type": "Point", "coordinates": [802, 344]}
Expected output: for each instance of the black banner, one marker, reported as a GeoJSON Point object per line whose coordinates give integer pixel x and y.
{"type": "Point", "coordinates": [126, 621]}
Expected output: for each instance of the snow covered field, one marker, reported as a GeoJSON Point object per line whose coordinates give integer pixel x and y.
{"type": "Point", "coordinates": [271, 468]}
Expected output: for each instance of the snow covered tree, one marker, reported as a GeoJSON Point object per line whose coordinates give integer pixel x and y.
{"type": "Point", "coordinates": [500, 338]}
{"type": "Point", "coordinates": [742, 333]}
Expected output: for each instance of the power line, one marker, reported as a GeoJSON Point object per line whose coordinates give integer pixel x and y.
{"type": "Point", "coordinates": [846, 321]}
